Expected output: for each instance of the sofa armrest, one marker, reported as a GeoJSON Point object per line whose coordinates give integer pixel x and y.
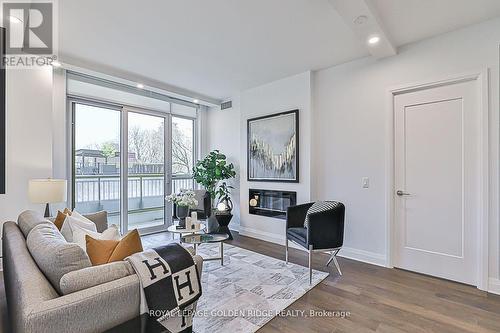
{"type": "Point", "coordinates": [94, 309]}
{"type": "Point", "coordinates": [92, 276]}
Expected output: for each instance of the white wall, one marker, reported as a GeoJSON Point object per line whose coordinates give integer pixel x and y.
{"type": "Point", "coordinates": [224, 134]}
{"type": "Point", "coordinates": [350, 128]}
{"type": "Point", "coordinates": [346, 139]}
{"type": "Point", "coordinates": [291, 93]}
{"type": "Point", "coordinates": [29, 137]}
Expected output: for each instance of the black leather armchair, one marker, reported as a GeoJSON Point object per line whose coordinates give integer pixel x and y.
{"type": "Point", "coordinates": [325, 231]}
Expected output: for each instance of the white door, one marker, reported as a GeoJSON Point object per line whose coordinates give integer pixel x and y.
{"type": "Point", "coordinates": [437, 181]}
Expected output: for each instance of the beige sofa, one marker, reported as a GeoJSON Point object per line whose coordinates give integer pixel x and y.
{"type": "Point", "coordinates": [36, 304]}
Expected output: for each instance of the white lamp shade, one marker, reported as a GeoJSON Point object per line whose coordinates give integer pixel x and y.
{"type": "Point", "coordinates": [47, 190]}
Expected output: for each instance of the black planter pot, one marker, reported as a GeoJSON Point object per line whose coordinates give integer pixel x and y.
{"type": "Point", "coordinates": [182, 212]}
{"type": "Point", "coordinates": [224, 220]}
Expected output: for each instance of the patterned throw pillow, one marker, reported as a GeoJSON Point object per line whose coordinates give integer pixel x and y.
{"type": "Point", "coordinates": [319, 206]}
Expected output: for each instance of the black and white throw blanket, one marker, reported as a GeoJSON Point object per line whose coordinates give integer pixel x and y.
{"type": "Point", "coordinates": [170, 285]}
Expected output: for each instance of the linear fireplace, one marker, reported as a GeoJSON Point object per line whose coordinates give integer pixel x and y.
{"type": "Point", "coordinates": [271, 203]}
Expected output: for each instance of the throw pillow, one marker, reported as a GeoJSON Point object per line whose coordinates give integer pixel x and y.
{"type": "Point", "coordinates": [76, 219]}
{"type": "Point", "coordinates": [102, 251]}
{"type": "Point", "coordinates": [79, 233]}
{"type": "Point", "coordinates": [319, 206]}
{"type": "Point", "coordinates": [59, 220]}
{"type": "Point", "coordinates": [67, 211]}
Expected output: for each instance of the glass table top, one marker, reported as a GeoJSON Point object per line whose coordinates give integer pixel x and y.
{"type": "Point", "coordinates": [204, 238]}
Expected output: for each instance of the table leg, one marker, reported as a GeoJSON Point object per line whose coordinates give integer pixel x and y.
{"type": "Point", "coordinates": [222, 253]}
{"type": "Point", "coordinates": [195, 248]}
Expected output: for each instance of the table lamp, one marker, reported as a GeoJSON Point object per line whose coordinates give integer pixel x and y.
{"type": "Point", "coordinates": [46, 191]}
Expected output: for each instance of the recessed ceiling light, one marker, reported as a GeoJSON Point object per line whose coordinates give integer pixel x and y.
{"type": "Point", "coordinates": [373, 40]}
{"type": "Point", "coordinates": [195, 101]}
{"type": "Point", "coordinates": [56, 63]}
{"type": "Point", "coordinates": [140, 85]}
{"type": "Point", "coordinates": [14, 19]}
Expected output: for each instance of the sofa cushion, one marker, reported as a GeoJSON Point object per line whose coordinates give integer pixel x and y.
{"type": "Point", "coordinates": [53, 254]}
{"type": "Point", "coordinates": [298, 235]}
{"type": "Point", "coordinates": [28, 219]}
{"type": "Point", "coordinates": [92, 276]}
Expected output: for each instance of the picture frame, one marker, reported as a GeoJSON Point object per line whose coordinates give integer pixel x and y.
{"type": "Point", "coordinates": [273, 147]}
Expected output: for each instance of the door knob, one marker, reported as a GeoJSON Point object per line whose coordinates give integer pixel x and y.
{"type": "Point", "coordinates": [401, 193]}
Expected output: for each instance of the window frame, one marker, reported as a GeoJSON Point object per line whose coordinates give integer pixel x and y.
{"type": "Point", "coordinates": [72, 100]}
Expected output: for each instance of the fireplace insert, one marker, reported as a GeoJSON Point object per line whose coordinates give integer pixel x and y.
{"type": "Point", "coordinates": [270, 203]}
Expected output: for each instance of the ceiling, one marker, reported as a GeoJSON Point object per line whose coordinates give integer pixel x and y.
{"type": "Point", "coordinates": [219, 47]}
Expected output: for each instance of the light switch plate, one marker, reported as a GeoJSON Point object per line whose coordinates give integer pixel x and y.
{"type": "Point", "coordinates": [366, 182]}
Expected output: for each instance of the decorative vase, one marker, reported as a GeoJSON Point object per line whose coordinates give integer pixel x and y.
{"type": "Point", "coordinates": [212, 224]}
{"type": "Point", "coordinates": [182, 212]}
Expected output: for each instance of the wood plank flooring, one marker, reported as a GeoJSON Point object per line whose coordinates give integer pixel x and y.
{"type": "Point", "coordinates": [377, 299]}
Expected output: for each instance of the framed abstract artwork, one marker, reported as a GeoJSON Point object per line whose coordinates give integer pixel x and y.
{"type": "Point", "coordinates": [273, 147]}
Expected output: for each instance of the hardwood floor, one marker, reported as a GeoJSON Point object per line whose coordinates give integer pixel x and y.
{"type": "Point", "coordinates": [377, 299]}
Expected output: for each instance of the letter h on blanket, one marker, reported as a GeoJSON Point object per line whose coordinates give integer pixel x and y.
{"type": "Point", "coordinates": [170, 283]}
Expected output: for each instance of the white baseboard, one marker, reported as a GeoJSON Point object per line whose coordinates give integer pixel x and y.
{"type": "Point", "coordinates": [494, 286]}
{"type": "Point", "coordinates": [346, 252]}
{"type": "Point", "coordinates": [262, 235]}
{"type": "Point", "coordinates": [364, 256]}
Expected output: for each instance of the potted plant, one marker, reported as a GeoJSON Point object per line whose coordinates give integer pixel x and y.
{"type": "Point", "coordinates": [184, 200]}
{"type": "Point", "coordinates": [208, 172]}
{"type": "Point", "coordinates": [225, 204]}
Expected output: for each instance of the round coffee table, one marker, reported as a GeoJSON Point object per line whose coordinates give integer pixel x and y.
{"type": "Point", "coordinates": [197, 239]}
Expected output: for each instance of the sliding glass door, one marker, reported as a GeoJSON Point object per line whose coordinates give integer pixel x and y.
{"type": "Point", "coordinates": [96, 159]}
{"type": "Point", "coordinates": [146, 170]}
{"type": "Point", "coordinates": [130, 186]}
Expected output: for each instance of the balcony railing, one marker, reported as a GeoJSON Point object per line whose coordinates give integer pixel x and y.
{"type": "Point", "coordinates": [145, 191]}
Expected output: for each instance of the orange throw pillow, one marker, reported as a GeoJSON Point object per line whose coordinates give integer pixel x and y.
{"type": "Point", "coordinates": [59, 220]}
{"type": "Point", "coordinates": [102, 251]}
{"type": "Point", "coordinates": [67, 211]}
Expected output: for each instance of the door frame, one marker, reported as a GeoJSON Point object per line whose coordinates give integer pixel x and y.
{"type": "Point", "coordinates": [481, 76]}
{"type": "Point", "coordinates": [167, 174]}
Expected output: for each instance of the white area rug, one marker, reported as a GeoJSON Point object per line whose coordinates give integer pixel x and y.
{"type": "Point", "coordinates": [248, 291]}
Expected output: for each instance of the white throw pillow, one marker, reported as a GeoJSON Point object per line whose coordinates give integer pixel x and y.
{"type": "Point", "coordinates": [79, 216]}
{"type": "Point", "coordinates": [79, 233]}
{"type": "Point", "coordinates": [76, 220]}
